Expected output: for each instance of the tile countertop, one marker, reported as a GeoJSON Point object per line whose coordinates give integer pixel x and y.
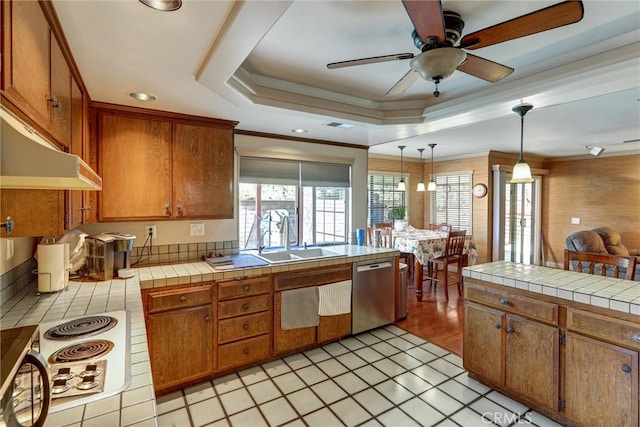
{"type": "Point", "coordinates": [135, 406]}
{"type": "Point", "coordinates": [200, 271]}
{"type": "Point", "coordinates": [606, 292]}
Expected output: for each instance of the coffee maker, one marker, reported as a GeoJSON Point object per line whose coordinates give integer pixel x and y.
{"type": "Point", "coordinates": [109, 255]}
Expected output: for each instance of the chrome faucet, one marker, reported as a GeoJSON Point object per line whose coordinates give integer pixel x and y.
{"type": "Point", "coordinates": [285, 224]}
{"type": "Point", "coordinates": [261, 246]}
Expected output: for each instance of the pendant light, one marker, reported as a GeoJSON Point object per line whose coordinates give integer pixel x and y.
{"type": "Point", "coordinates": [421, 183]}
{"type": "Point", "coordinates": [401, 185]}
{"type": "Point", "coordinates": [521, 171]}
{"type": "Point", "coordinates": [432, 181]}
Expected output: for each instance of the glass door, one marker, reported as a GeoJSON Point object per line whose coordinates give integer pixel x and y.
{"type": "Point", "coordinates": [516, 219]}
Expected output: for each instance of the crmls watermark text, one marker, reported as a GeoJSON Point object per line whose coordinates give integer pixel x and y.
{"type": "Point", "coordinates": [504, 418]}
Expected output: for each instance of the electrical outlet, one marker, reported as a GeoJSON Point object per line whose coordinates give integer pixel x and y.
{"type": "Point", "coordinates": [151, 229]}
{"type": "Point", "coordinates": [575, 220]}
{"type": "Point", "coordinates": [197, 229]}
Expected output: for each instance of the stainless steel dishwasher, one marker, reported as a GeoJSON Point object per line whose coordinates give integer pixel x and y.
{"type": "Point", "coordinates": [374, 299]}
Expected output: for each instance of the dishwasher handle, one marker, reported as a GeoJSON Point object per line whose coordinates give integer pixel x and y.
{"type": "Point", "coordinates": [376, 266]}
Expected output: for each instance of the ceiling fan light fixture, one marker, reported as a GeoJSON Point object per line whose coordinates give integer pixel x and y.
{"type": "Point", "coordinates": [438, 63]}
{"type": "Point", "coordinates": [163, 5]}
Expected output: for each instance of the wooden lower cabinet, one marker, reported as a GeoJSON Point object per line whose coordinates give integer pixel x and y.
{"type": "Point", "coordinates": [506, 349]}
{"type": "Point", "coordinates": [245, 319]}
{"type": "Point", "coordinates": [181, 335]}
{"type": "Point", "coordinates": [580, 368]}
{"type": "Point", "coordinates": [600, 383]}
{"type": "Point", "coordinates": [290, 340]}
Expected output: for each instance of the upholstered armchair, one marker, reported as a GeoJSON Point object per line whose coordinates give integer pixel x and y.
{"type": "Point", "coordinates": [605, 240]}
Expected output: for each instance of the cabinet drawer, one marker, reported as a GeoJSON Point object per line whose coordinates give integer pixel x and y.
{"type": "Point", "coordinates": [240, 327]}
{"type": "Point", "coordinates": [244, 306]}
{"type": "Point", "coordinates": [621, 332]}
{"type": "Point", "coordinates": [244, 352]}
{"type": "Point", "coordinates": [229, 289]}
{"type": "Point", "coordinates": [518, 304]}
{"type": "Point", "coordinates": [179, 298]}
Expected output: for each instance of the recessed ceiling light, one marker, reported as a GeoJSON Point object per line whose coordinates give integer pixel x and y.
{"type": "Point", "coordinates": [299, 130]}
{"type": "Point", "coordinates": [163, 5]}
{"type": "Point", "coordinates": [141, 96]}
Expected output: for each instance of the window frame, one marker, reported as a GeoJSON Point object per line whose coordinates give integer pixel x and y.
{"type": "Point", "coordinates": [395, 177]}
{"type": "Point", "coordinates": [468, 195]}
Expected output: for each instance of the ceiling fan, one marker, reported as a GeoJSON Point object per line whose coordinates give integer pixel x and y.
{"type": "Point", "coordinates": [437, 32]}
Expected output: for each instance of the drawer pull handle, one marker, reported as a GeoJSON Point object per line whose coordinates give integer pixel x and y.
{"type": "Point", "coordinates": [510, 330]}
{"type": "Point", "coordinates": [245, 306]}
{"type": "Point", "coordinates": [636, 338]}
{"type": "Point", "coordinates": [183, 298]}
{"type": "Point", "coordinates": [504, 301]}
{"type": "Point", "coordinates": [497, 325]}
{"type": "Point", "coordinates": [246, 288]}
{"type": "Point", "coordinates": [245, 351]}
{"type": "Point", "coordinates": [626, 369]}
{"type": "Point", "coordinates": [207, 318]}
{"type": "Point", "coordinates": [245, 326]}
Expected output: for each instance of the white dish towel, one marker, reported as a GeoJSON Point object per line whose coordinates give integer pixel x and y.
{"type": "Point", "coordinates": [335, 298]}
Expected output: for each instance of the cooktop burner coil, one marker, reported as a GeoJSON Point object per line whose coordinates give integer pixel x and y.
{"type": "Point", "coordinates": [85, 326]}
{"type": "Point", "coordinates": [81, 351]}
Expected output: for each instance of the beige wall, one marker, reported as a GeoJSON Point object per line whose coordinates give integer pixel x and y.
{"type": "Point", "coordinates": [601, 191]}
{"type": "Point", "coordinates": [23, 249]}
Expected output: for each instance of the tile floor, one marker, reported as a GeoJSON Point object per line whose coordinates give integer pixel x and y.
{"type": "Point", "coordinates": [382, 377]}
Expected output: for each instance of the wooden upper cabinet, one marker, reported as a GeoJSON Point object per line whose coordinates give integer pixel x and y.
{"type": "Point", "coordinates": [26, 58]}
{"type": "Point", "coordinates": [202, 171]}
{"type": "Point", "coordinates": [75, 205]}
{"type": "Point", "coordinates": [162, 166]}
{"type": "Point", "coordinates": [60, 100]}
{"type": "Point", "coordinates": [135, 165]}
{"type": "Point", "coordinates": [34, 212]}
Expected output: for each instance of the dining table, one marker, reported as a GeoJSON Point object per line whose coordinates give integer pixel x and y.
{"type": "Point", "coordinates": [428, 244]}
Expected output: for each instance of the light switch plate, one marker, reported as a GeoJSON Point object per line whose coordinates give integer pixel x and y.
{"type": "Point", "coordinates": [197, 229]}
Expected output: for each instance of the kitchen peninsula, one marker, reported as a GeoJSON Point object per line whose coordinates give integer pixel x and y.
{"type": "Point", "coordinates": [565, 343]}
{"type": "Point", "coordinates": [135, 405]}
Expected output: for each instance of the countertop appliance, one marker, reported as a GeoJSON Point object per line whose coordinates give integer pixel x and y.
{"type": "Point", "coordinates": [25, 392]}
{"type": "Point", "coordinates": [53, 266]}
{"type": "Point", "coordinates": [109, 255]}
{"type": "Point", "coordinates": [88, 357]}
{"type": "Point", "coordinates": [373, 299]}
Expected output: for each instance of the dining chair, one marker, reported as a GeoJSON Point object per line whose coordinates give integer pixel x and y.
{"type": "Point", "coordinates": [383, 225]}
{"type": "Point", "coordinates": [600, 263]}
{"type": "Point", "coordinates": [439, 227]}
{"type": "Point", "coordinates": [405, 257]}
{"type": "Point", "coordinates": [452, 255]}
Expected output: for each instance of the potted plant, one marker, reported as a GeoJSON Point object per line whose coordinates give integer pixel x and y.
{"type": "Point", "coordinates": [398, 215]}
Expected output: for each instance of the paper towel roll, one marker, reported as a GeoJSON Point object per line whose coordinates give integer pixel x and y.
{"type": "Point", "coordinates": [53, 267]}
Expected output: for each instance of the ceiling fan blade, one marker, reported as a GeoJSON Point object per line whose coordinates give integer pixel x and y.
{"type": "Point", "coordinates": [427, 19]}
{"type": "Point", "coordinates": [558, 15]}
{"type": "Point", "coordinates": [484, 68]}
{"type": "Point", "coordinates": [371, 60]}
{"type": "Point", "coordinates": [403, 84]}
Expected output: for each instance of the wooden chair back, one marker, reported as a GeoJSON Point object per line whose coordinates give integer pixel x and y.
{"type": "Point", "coordinates": [455, 243]}
{"type": "Point", "coordinates": [383, 225]}
{"type": "Point", "coordinates": [386, 237]}
{"type": "Point", "coordinates": [597, 263]}
{"type": "Point", "coordinates": [370, 235]}
{"type": "Point", "coordinates": [439, 227]}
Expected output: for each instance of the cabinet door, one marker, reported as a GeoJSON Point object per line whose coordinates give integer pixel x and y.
{"type": "Point", "coordinates": [34, 212]}
{"type": "Point", "coordinates": [75, 215]}
{"type": "Point", "coordinates": [26, 76]}
{"type": "Point", "coordinates": [60, 108]}
{"type": "Point", "coordinates": [532, 360]}
{"type": "Point", "coordinates": [181, 346]}
{"type": "Point", "coordinates": [483, 342]}
{"type": "Point", "coordinates": [134, 163]}
{"type": "Point", "coordinates": [286, 341]}
{"type": "Point", "coordinates": [202, 171]}
{"type": "Point", "coordinates": [600, 383]}
{"type": "Point", "coordinates": [332, 328]}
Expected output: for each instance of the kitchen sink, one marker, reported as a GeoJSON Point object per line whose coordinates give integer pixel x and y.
{"type": "Point", "coordinates": [313, 253]}
{"type": "Point", "coordinates": [279, 257]}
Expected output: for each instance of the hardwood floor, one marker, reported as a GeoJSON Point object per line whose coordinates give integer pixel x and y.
{"type": "Point", "coordinates": [435, 319]}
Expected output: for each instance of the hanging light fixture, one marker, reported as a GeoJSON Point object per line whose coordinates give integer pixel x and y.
{"type": "Point", "coordinates": [421, 183]}
{"type": "Point", "coordinates": [521, 171]}
{"type": "Point", "coordinates": [432, 181]}
{"type": "Point", "coordinates": [401, 185]}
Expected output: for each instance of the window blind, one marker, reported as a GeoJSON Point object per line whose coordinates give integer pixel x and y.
{"type": "Point", "coordinates": [254, 170]}
{"type": "Point", "coordinates": [453, 201]}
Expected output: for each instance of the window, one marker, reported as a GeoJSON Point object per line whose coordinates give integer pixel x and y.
{"type": "Point", "coordinates": [451, 202]}
{"type": "Point", "coordinates": [309, 198]}
{"type": "Point", "coordinates": [384, 195]}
